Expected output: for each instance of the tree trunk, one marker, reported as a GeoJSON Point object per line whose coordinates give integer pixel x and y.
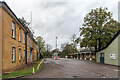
{"type": "Point", "coordinates": [99, 46]}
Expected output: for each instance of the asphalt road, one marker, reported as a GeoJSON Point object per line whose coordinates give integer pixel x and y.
{"type": "Point", "coordinates": [70, 68]}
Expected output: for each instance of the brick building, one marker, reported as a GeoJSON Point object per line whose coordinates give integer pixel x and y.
{"type": "Point", "coordinates": [17, 45]}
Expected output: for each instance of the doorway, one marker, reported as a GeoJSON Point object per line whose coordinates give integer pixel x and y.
{"type": "Point", "coordinates": [102, 58]}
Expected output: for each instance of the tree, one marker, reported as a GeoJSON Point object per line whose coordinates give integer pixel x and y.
{"type": "Point", "coordinates": [40, 46]}
{"type": "Point", "coordinates": [68, 49]}
{"type": "Point", "coordinates": [98, 28]}
{"type": "Point", "coordinates": [48, 48]}
{"type": "Point", "coordinates": [73, 38]}
{"type": "Point", "coordinates": [24, 22]}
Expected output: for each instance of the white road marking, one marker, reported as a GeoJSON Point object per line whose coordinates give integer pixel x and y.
{"type": "Point", "coordinates": [103, 77]}
{"type": "Point", "coordinates": [57, 62]}
{"type": "Point", "coordinates": [116, 70]}
{"type": "Point", "coordinates": [107, 75]}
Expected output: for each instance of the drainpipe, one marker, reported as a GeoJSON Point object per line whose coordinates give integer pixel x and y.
{"type": "Point", "coordinates": [26, 48]}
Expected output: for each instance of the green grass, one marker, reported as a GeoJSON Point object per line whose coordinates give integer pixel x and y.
{"type": "Point", "coordinates": [23, 72]}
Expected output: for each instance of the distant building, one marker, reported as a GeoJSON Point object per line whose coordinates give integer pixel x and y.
{"type": "Point", "coordinates": [17, 45]}
{"type": "Point", "coordinates": [87, 54]}
{"type": "Point", "coordinates": [111, 53]}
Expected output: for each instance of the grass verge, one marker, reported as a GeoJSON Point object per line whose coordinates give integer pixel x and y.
{"type": "Point", "coordinates": [24, 71]}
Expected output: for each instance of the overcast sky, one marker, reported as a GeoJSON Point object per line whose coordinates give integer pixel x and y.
{"type": "Point", "coordinates": [60, 18]}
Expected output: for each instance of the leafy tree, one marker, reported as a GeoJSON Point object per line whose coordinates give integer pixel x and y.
{"type": "Point", "coordinates": [74, 43]}
{"type": "Point", "coordinates": [48, 48]}
{"type": "Point", "coordinates": [98, 28]}
{"type": "Point", "coordinates": [24, 22]}
{"type": "Point", "coordinates": [68, 49]}
{"type": "Point", "coordinates": [40, 46]}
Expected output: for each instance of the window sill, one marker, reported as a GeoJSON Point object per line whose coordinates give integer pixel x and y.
{"type": "Point", "coordinates": [13, 38]}
{"type": "Point", "coordinates": [13, 61]}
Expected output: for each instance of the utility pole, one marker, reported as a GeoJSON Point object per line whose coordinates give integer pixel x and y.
{"type": "Point", "coordinates": [56, 44]}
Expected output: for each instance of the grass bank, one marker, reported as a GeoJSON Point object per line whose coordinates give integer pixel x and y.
{"type": "Point", "coordinates": [24, 71]}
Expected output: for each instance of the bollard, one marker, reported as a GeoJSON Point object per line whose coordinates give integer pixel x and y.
{"type": "Point", "coordinates": [90, 58]}
{"type": "Point", "coordinates": [74, 57]}
{"type": "Point", "coordinates": [33, 70]}
{"type": "Point", "coordinates": [40, 64]}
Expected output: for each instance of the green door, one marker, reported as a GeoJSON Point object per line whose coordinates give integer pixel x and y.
{"type": "Point", "coordinates": [101, 57]}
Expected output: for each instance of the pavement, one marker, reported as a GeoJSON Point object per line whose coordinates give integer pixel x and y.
{"type": "Point", "coordinates": [73, 68]}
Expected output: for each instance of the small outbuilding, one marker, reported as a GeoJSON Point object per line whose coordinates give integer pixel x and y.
{"type": "Point", "coordinates": [111, 53]}
{"type": "Point", "coordinates": [87, 54]}
{"type": "Point", "coordinates": [55, 55]}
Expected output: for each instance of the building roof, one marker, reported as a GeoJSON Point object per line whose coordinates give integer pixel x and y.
{"type": "Point", "coordinates": [9, 11]}
{"type": "Point", "coordinates": [2, 5]}
{"type": "Point", "coordinates": [115, 36]}
{"type": "Point", "coordinates": [87, 51]}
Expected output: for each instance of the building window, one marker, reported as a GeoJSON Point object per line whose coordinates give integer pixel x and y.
{"type": "Point", "coordinates": [19, 54]}
{"type": "Point", "coordinates": [13, 54]}
{"type": "Point", "coordinates": [23, 37]}
{"type": "Point", "coordinates": [19, 34]}
{"type": "Point", "coordinates": [13, 29]}
{"type": "Point", "coordinates": [24, 55]}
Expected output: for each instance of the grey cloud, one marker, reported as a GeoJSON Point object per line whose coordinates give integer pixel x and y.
{"type": "Point", "coordinates": [60, 19]}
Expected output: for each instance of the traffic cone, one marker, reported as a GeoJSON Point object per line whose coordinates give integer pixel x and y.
{"type": "Point", "coordinates": [58, 57]}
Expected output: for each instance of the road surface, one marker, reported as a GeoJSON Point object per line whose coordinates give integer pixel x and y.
{"type": "Point", "coordinates": [70, 68]}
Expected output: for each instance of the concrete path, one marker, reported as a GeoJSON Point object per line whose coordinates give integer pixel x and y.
{"type": "Point", "coordinates": [70, 68]}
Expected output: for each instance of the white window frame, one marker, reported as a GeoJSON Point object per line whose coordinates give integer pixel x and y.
{"type": "Point", "coordinates": [19, 34]}
{"type": "Point", "coordinates": [13, 54]}
{"type": "Point", "coordinates": [13, 29]}
{"type": "Point", "coordinates": [23, 55]}
{"type": "Point", "coordinates": [23, 37]}
{"type": "Point", "coordinates": [19, 54]}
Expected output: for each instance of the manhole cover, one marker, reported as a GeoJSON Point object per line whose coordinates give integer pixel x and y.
{"type": "Point", "coordinates": [74, 76]}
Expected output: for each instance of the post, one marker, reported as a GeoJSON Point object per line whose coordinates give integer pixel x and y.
{"type": "Point", "coordinates": [80, 56]}
{"type": "Point", "coordinates": [84, 56]}
{"type": "Point", "coordinates": [56, 44]}
{"type": "Point", "coordinates": [77, 56]}
{"type": "Point", "coordinates": [33, 70]}
{"type": "Point", "coordinates": [90, 56]}
{"type": "Point", "coordinates": [74, 56]}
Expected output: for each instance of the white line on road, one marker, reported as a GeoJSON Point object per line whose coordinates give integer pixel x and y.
{"type": "Point", "coordinates": [107, 75]}
{"type": "Point", "coordinates": [116, 70]}
{"type": "Point", "coordinates": [57, 62]}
